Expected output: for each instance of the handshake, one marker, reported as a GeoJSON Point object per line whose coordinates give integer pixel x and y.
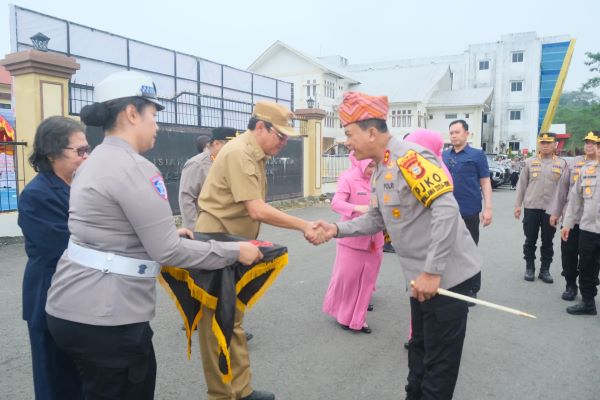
{"type": "Point", "coordinates": [319, 232]}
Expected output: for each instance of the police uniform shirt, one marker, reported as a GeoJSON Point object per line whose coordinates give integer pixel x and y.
{"type": "Point", "coordinates": [567, 180]}
{"type": "Point", "coordinates": [193, 175]}
{"type": "Point", "coordinates": [584, 200]}
{"type": "Point", "coordinates": [420, 214]}
{"type": "Point", "coordinates": [237, 175]}
{"type": "Point", "coordinates": [538, 181]}
{"type": "Point", "coordinates": [119, 205]}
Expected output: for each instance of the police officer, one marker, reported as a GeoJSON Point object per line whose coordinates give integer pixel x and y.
{"type": "Point", "coordinates": [570, 249]}
{"type": "Point", "coordinates": [103, 294]}
{"type": "Point", "coordinates": [412, 197]}
{"type": "Point", "coordinates": [537, 184]}
{"type": "Point", "coordinates": [232, 200]}
{"type": "Point", "coordinates": [583, 207]}
{"type": "Point", "coordinates": [194, 173]}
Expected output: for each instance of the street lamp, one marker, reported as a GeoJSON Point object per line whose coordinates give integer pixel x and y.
{"type": "Point", "coordinates": [310, 102]}
{"type": "Point", "coordinates": [40, 41]}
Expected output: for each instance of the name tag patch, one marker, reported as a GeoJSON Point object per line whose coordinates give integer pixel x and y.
{"type": "Point", "coordinates": [426, 180]}
{"type": "Point", "coordinates": [159, 185]}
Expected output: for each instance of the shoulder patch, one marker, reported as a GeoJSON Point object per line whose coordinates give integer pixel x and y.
{"type": "Point", "coordinates": [159, 185]}
{"type": "Point", "coordinates": [426, 180]}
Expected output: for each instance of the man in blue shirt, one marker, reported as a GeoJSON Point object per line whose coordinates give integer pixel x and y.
{"type": "Point", "coordinates": [471, 175]}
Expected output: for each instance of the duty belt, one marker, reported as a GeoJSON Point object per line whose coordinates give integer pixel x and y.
{"type": "Point", "coordinates": [110, 263]}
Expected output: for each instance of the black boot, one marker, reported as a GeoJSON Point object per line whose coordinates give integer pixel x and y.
{"type": "Point", "coordinates": [529, 271]}
{"type": "Point", "coordinates": [570, 292]}
{"type": "Point", "coordinates": [586, 307]}
{"type": "Point", "coordinates": [545, 275]}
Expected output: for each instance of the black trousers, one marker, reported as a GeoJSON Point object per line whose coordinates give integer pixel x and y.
{"type": "Point", "coordinates": [589, 255]}
{"type": "Point", "coordinates": [472, 223]}
{"type": "Point", "coordinates": [569, 253]}
{"type": "Point", "coordinates": [438, 332]}
{"type": "Point", "coordinates": [534, 221]}
{"type": "Point", "coordinates": [115, 362]}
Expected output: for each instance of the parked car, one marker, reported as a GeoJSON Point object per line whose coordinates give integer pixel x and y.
{"type": "Point", "coordinates": [498, 174]}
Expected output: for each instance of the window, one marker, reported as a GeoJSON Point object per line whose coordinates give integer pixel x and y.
{"type": "Point", "coordinates": [467, 115]}
{"type": "Point", "coordinates": [517, 57]}
{"type": "Point", "coordinates": [401, 118]}
{"type": "Point", "coordinates": [311, 89]}
{"type": "Point", "coordinates": [484, 64]}
{"type": "Point", "coordinates": [451, 116]}
{"type": "Point", "coordinates": [514, 146]}
{"type": "Point", "coordinates": [7, 106]}
{"type": "Point", "coordinates": [515, 115]}
{"type": "Point", "coordinates": [329, 89]}
{"type": "Point", "coordinates": [516, 86]}
{"type": "Point", "coordinates": [485, 117]}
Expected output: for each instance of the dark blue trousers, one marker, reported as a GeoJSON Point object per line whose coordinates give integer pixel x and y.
{"type": "Point", "coordinates": [55, 376]}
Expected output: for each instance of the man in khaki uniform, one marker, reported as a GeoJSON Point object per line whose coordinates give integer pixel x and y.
{"type": "Point", "coordinates": [569, 249]}
{"type": "Point", "coordinates": [411, 196]}
{"type": "Point", "coordinates": [194, 174]}
{"type": "Point", "coordinates": [537, 184]}
{"type": "Point", "coordinates": [584, 201]}
{"type": "Point", "coordinates": [233, 201]}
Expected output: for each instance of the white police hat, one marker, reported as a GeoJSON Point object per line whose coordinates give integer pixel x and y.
{"type": "Point", "coordinates": [127, 84]}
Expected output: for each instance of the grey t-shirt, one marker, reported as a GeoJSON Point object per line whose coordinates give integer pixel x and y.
{"type": "Point", "coordinates": [119, 204]}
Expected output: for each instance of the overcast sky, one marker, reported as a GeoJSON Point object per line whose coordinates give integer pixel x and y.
{"type": "Point", "coordinates": [236, 32]}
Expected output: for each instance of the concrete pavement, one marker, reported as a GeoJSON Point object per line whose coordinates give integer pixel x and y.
{"type": "Point", "coordinates": [300, 353]}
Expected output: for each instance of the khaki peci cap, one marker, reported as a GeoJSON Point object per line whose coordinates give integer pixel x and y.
{"type": "Point", "coordinates": [276, 114]}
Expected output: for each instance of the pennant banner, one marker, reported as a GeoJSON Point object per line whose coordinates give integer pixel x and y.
{"type": "Point", "coordinates": [222, 291]}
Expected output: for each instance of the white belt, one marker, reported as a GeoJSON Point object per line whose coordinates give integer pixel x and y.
{"type": "Point", "coordinates": [110, 263]}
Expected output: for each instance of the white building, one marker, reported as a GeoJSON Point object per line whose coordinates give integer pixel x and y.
{"type": "Point", "coordinates": [501, 89]}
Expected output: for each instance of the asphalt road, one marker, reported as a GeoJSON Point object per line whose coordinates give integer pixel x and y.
{"type": "Point", "coordinates": [300, 353]}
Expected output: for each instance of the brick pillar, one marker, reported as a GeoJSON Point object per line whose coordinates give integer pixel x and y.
{"type": "Point", "coordinates": [40, 90]}
{"type": "Point", "coordinates": [312, 149]}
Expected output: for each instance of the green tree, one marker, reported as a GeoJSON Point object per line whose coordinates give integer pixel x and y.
{"type": "Point", "coordinates": [594, 63]}
{"type": "Point", "coordinates": [580, 111]}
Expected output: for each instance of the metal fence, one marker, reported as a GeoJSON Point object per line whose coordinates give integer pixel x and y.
{"type": "Point", "coordinates": [332, 166]}
{"type": "Point", "coordinates": [12, 161]}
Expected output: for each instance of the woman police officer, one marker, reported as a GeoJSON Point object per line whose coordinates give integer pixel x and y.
{"type": "Point", "coordinates": [103, 295]}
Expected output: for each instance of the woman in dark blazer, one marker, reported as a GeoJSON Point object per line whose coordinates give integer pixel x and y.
{"type": "Point", "coordinates": [59, 147]}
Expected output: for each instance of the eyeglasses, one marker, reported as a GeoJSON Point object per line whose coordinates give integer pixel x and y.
{"type": "Point", "coordinates": [81, 151]}
{"type": "Point", "coordinates": [280, 135]}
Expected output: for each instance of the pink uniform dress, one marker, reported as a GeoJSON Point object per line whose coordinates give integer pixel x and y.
{"type": "Point", "coordinates": [357, 259]}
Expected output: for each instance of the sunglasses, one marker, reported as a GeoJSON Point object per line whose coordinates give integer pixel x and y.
{"type": "Point", "coordinates": [81, 151]}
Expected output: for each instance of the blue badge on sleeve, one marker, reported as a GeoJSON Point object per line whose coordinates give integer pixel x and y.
{"type": "Point", "coordinates": [159, 186]}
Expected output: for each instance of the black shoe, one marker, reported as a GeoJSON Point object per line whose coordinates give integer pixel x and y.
{"type": "Point", "coordinates": [388, 248]}
{"type": "Point", "coordinates": [259, 395]}
{"type": "Point", "coordinates": [545, 276]}
{"type": "Point", "coordinates": [364, 329]}
{"type": "Point", "coordinates": [249, 336]}
{"type": "Point", "coordinates": [370, 308]}
{"type": "Point", "coordinates": [529, 275]}
{"type": "Point", "coordinates": [586, 307]}
{"type": "Point", "coordinates": [570, 293]}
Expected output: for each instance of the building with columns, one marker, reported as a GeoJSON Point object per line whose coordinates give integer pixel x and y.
{"type": "Point", "coordinates": [502, 89]}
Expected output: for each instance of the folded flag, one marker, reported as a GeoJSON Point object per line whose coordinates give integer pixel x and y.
{"type": "Point", "coordinates": [222, 290]}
